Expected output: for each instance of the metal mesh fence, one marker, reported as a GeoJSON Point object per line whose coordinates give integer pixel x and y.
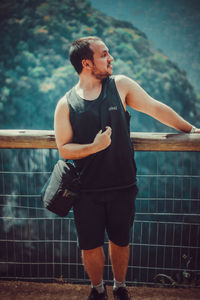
{"type": "Point", "coordinates": [165, 240]}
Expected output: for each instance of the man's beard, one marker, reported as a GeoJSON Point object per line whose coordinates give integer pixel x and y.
{"type": "Point", "coordinates": [100, 75]}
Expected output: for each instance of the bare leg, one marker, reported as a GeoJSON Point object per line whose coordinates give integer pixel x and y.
{"type": "Point", "coordinates": [93, 261]}
{"type": "Point", "coordinates": [119, 258]}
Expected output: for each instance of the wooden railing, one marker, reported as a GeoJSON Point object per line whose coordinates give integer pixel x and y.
{"type": "Point", "coordinates": [142, 141]}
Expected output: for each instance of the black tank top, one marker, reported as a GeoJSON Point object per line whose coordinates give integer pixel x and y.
{"type": "Point", "coordinates": [114, 167]}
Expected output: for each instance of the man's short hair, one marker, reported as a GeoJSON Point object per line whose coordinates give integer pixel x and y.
{"type": "Point", "coordinates": [79, 50]}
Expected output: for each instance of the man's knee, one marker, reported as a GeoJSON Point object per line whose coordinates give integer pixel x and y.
{"type": "Point", "coordinates": [117, 246]}
{"type": "Point", "coordinates": [91, 251]}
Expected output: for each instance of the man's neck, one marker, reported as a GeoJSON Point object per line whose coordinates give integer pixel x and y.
{"type": "Point", "coordinates": [88, 82]}
{"type": "Point", "coordinates": [88, 88]}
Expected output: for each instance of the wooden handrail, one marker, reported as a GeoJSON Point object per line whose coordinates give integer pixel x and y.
{"type": "Point", "coordinates": [142, 141]}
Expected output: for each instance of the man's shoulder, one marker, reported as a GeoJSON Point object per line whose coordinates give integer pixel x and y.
{"type": "Point", "coordinates": [120, 78]}
{"type": "Point", "coordinates": [123, 83]}
{"type": "Point", "coordinates": [63, 101]}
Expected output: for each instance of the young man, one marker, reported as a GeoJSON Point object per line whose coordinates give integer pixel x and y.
{"type": "Point", "coordinates": [92, 128]}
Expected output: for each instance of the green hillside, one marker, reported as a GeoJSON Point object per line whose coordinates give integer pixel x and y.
{"type": "Point", "coordinates": [35, 71]}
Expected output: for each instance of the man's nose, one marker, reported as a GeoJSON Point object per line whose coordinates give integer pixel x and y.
{"type": "Point", "coordinates": [110, 58]}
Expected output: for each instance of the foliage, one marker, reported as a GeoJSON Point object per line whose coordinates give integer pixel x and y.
{"type": "Point", "coordinates": [35, 72]}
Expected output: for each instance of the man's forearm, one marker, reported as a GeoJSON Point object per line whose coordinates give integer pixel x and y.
{"type": "Point", "coordinates": [168, 116]}
{"type": "Point", "coordinates": [77, 151]}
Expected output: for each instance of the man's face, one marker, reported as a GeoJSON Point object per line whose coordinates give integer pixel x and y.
{"type": "Point", "coordinates": [101, 60]}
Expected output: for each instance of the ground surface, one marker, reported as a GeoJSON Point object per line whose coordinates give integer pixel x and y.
{"type": "Point", "coordinates": [17, 290]}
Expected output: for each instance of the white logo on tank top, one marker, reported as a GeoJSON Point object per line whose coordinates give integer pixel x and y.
{"type": "Point", "coordinates": [112, 108]}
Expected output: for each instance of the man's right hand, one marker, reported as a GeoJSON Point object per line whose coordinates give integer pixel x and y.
{"type": "Point", "coordinates": [103, 139]}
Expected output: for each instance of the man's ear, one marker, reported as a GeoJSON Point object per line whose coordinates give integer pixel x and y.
{"type": "Point", "coordinates": [86, 63]}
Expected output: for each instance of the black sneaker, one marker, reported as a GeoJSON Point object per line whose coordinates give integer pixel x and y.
{"type": "Point", "coordinates": [94, 295]}
{"type": "Point", "coordinates": [121, 294]}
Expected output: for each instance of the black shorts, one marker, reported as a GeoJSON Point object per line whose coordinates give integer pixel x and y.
{"type": "Point", "coordinates": [112, 211]}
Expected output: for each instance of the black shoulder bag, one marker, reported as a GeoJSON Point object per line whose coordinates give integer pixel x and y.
{"type": "Point", "coordinates": [61, 189]}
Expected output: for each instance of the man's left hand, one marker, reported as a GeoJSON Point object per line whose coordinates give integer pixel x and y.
{"type": "Point", "coordinates": [195, 130]}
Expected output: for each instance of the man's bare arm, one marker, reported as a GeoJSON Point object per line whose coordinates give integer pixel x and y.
{"type": "Point", "coordinates": [64, 136]}
{"type": "Point", "coordinates": [139, 100]}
